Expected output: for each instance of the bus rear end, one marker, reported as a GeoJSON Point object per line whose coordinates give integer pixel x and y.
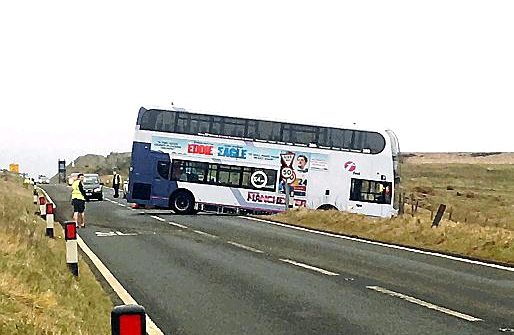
{"type": "Point", "coordinates": [145, 187]}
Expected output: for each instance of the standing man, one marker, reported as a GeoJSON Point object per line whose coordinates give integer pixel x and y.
{"type": "Point", "coordinates": [78, 200]}
{"type": "Point", "coordinates": [116, 182]}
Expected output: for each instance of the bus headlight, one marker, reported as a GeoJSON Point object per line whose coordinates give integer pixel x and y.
{"type": "Point", "coordinates": [98, 189]}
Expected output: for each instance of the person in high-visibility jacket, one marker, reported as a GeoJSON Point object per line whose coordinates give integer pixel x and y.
{"type": "Point", "coordinates": [78, 200]}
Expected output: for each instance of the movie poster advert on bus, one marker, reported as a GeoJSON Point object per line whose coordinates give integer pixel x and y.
{"type": "Point", "coordinates": [294, 165]}
{"type": "Point", "coordinates": [294, 171]}
{"type": "Point", "coordinates": [231, 152]}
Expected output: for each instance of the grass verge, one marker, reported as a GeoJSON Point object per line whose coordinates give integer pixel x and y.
{"type": "Point", "coordinates": [479, 197]}
{"type": "Point", "coordinates": [38, 293]}
{"type": "Point", "coordinates": [475, 193]}
{"type": "Point", "coordinates": [469, 240]}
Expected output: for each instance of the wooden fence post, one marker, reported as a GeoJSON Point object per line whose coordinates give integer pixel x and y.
{"type": "Point", "coordinates": [439, 215]}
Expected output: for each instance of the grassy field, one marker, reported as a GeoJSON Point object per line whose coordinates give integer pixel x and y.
{"type": "Point", "coordinates": [478, 196]}
{"type": "Point", "coordinates": [477, 193]}
{"type": "Point", "coordinates": [38, 294]}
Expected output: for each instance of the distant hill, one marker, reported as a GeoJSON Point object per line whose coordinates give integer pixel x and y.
{"type": "Point", "coordinates": [121, 161]}
{"type": "Point", "coordinates": [458, 157]}
{"type": "Point", "coordinates": [100, 164]}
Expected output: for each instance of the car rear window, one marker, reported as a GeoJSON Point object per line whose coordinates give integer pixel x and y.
{"type": "Point", "coordinates": [91, 180]}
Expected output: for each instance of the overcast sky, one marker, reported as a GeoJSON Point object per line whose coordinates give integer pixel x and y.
{"type": "Point", "coordinates": [73, 75]}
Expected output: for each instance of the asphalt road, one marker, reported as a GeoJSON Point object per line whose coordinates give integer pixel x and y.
{"type": "Point", "coordinates": [218, 274]}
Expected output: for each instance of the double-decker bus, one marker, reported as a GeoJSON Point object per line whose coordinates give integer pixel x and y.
{"type": "Point", "coordinates": [189, 161]}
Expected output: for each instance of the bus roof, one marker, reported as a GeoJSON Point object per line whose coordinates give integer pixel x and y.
{"type": "Point", "coordinates": [263, 118]}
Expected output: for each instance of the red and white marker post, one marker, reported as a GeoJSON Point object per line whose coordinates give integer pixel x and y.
{"type": "Point", "coordinates": [72, 256]}
{"type": "Point", "coordinates": [42, 207]}
{"type": "Point", "coordinates": [128, 320]}
{"type": "Point", "coordinates": [50, 220]}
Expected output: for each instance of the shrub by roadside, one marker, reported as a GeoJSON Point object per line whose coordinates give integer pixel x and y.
{"type": "Point", "coordinates": [38, 293]}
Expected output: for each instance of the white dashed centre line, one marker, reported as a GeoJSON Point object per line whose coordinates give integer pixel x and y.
{"type": "Point", "coordinates": [310, 267]}
{"type": "Point", "coordinates": [157, 218]}
{"type": "Point", "coordinates": [177, 224]}
{"type": "Point", "coordinates": [242, 246]}
{"type": "Point", "coordinates": [424, 303]}
{"type": "Point", "coordinates": [204, 233]}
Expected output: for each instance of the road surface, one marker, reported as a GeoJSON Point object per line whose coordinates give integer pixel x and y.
{"type": "Point", "coordinates": [219, 274]}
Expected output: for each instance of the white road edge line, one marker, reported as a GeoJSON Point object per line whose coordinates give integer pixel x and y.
{"type": "Point", "coordinates": [151, 327]}
{"type": "Point", "coordinates": [424, 303]}
{"type": "Point", "coordinates": [204, 233]}
{"type": "Point", "coordinates": [242, 246]}
{"type": "Point", "coordinates": [310, 267]}
{"type": "Point", "coordinates": [430, 253]}
{"type": "Point", "coordinates": [157, 218]}
{"type": "Point", "coordinates": [48, 197]}
{"type": "Point", "coordinates": [177, 224]}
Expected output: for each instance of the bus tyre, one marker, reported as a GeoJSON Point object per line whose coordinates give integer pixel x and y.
{"type": "Point", "coordinates": [182, 202]}
{"type": "Point", "coordinates": [327, 207]}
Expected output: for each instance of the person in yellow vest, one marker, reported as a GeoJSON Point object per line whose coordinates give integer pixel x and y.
{"type": "Point", "coordinates": [78, 200]}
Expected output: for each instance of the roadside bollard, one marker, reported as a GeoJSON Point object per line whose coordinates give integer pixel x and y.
{"type": "Point", "coordinates": [128, 320]}
{"type": "Point", "coordinates": [42, 207]}
{"type": "Point", "coordinates": [50, 220]}
{"type": "Point", "coordinates": [289, 197]}
{"type": "Point", "coordinates": [72, 256]}
{"type": "Point", "coordinates": [35, 196]}
{"type": "Point", "coordinates": [291, 201]}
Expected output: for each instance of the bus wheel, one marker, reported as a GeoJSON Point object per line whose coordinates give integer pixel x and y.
{"type": "Point", "coordinates": [327, 207]}
{"type": "Point", "coordinates": [182, 202]}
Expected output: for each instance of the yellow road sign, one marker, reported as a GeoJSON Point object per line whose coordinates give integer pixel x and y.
{"type": "Point", "coordinates": [14, 168]}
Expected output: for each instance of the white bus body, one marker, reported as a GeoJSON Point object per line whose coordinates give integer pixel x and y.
{"type": "Point", "coordinates": [357, 182]}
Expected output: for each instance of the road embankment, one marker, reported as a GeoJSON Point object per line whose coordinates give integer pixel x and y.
{"type": "Point", "coordinates": [38, 293]}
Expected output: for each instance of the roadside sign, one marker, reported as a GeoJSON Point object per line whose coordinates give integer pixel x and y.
{"type": "Point", "coordinates": [61, 165]}
{"type": "Point", "coordinates": [14, 168]}
{"type": "Point", "coordinates": [62, 170]}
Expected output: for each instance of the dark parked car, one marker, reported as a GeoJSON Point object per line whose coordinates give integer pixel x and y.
{"type": "Point", "coordinates": [93, 186]}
